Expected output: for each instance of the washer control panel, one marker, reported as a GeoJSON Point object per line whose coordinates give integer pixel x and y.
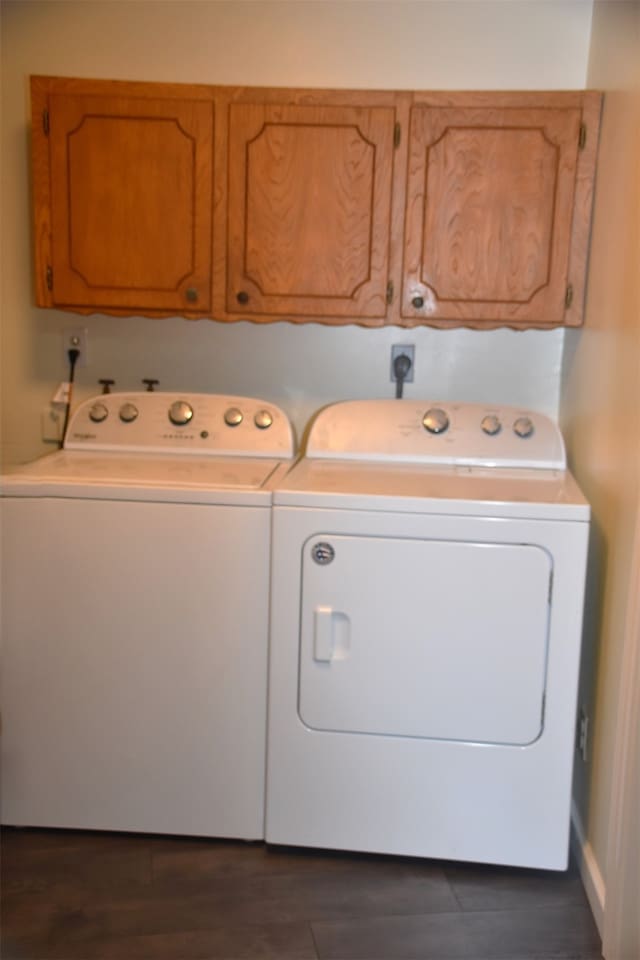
{"type": "Point", "coordinates": [155, 422]}
{"type": "Point", "coordinates": [469, 434]}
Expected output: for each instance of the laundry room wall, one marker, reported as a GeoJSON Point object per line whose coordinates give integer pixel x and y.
{"type": "Point", "coordinates": [600, 416]}
{"type": "Point", "coordinates": [319, 43]}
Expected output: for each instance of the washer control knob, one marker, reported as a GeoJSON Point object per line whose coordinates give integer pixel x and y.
{"type": "Point", "coordinates": [180, 413]}
{"type": "Point", "coordinates": [491, 424]}
{"type": "Point", "coordinates": [523, 427]}
{"type": "Point", "coordinates": [435, 420]}
{"type": "Point", "coordinates": [263, 419]}
{"type": "Point", "coordinates": [233, 417]}
{"type": "Point", "coordinates": [98, 412]}
{"type": "Point", "coordinates": [128, 412]}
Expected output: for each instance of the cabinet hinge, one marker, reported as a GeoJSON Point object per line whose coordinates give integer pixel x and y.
{"type": "Point", "coordinates": [582, 139]}
{"type": "Point", "coordinates": [49, 278]}
{"type": "Point", "coordinates": [45, 122]}
{"type": "Point", "coordinates": [397, 133]}
{"type": "Point", "coordinates": [568, 297]}
{"type": "Point", "coordinates": [390, 291]}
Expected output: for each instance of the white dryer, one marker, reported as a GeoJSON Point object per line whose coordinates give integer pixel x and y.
{"type": "Point", "coordinates": [428, 572]}
{"type": "Point", "coordinates": [135, 583]}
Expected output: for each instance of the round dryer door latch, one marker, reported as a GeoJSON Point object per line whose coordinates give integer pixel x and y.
{"type": "Point", "coordinates": [322, 553]}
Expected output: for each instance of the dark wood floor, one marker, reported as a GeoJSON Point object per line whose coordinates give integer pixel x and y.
{"type": "Point", "coordinates": [83, 896]}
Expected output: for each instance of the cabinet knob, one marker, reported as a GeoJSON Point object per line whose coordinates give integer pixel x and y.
{"type": "Point", "coordinates": [243, 297]}
{"type": "Point", "coordinates": [417, 302]}
{"type": "Point", "coordinates": [191, 294]}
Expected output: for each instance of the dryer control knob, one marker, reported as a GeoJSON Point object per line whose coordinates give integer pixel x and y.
{"type": "Point", "coordinates": [180, 413]}
{"type": "Point", "coordinates": [491, 424]}
{"type": "Point", "coordinates": [98, 413]}
{"type": "Point", "coordinates": [435, 420]}
{"type": "Point", "coordinates": [263, 419]}
{"type": "Point", "coordinates": [128, 412]}
{"type": "Point", "coordinates": [233, 417]}
{"type": "Point", "coordinates": [523, 427]}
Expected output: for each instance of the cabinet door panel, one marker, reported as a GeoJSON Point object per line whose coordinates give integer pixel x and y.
{"type": "Point", "coordinates": [490, 195]}
{"type": "Point", "coordinates": [309, 209]}
{"type": "Point", "coordinates": [131, 202]}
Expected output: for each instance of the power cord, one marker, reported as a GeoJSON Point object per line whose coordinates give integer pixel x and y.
{"type": "Point", "coordinates": [73, 355]}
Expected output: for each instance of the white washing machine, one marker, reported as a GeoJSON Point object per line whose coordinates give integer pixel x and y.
{"type": "Point", "coordinates": [428, 571]}
{"type": "Point", "coordinates": [135, 583]}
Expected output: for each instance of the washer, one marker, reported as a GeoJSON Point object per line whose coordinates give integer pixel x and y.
{"type": "Point", "coordinates": [135, 609]}
{"type": "Point", "coordinates": [428, 569]}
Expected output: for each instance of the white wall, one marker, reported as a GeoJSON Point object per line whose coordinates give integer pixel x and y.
{"type": "Point", "coordinates": [411, 45]}
{"type": "Point", "coordinates": [601, 409]}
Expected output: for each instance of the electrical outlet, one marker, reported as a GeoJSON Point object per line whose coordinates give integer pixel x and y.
{"type": "Point", "coordinates": [75, 338]}
{"type": "Point", "coordinates": [397, 350]}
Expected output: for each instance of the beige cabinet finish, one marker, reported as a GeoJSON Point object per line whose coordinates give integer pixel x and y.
{"type": "Point", "coordinates": [369, 207]}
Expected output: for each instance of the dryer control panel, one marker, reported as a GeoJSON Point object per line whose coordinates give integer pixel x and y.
{"type": "Point", "coordinates": [435, 432]}
{"type": "Point", "coordinates": [198, 423]}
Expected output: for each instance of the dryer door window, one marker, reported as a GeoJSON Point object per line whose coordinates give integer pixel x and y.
{"type": "Point", "coordinates": [424, 638]}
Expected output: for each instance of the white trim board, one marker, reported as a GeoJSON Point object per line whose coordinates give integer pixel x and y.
{"type": "Point", "coordinates": [592, 878]}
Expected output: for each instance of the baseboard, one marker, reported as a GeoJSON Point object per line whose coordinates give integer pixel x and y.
{"type": "Point", "coordinates": [592, 878]}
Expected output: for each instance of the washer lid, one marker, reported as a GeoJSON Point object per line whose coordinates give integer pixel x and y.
{"type": "Point", "coordinates": [411, 488]}
{"type": "Point", "coordinates": [139, 476]}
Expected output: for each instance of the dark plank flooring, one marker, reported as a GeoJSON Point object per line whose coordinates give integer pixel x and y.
{"type": "Point", "coordinates": [87, 896]}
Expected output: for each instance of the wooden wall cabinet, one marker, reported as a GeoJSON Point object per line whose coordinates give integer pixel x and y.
{"type": "Point", "coordinates": [498, 208]}
{"type": "Point", "coordinates": [123, 179]}
{"type": "Point", "coordinates": [309, 205]}
{"type": "Point", "coordinates": [331, 206]}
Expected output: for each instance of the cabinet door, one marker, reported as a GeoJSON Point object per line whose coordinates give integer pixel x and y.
{"type": "Point", "coordinates": [309, 210]}
{"type": "Point", "coordinates": [490, 202]}
{"type": "Point", "coordinates": [131, 182]}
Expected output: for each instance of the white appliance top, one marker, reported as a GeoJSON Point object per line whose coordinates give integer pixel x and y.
{"type": "Point", "coordinates": [459, 458]}
{"type": "Point", "coordinates": [228, 450]}
{"type": "Point", "coordinates": [410, 431]}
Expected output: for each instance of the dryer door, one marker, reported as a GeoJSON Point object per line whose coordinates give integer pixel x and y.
{"type": "Point", "coordinates": [424, 638]}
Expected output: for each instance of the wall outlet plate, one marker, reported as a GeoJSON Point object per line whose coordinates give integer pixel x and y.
{"type": "Point", "coordinates": [396, 351]}
{"type": "Point", "coordinates": [75, 338]}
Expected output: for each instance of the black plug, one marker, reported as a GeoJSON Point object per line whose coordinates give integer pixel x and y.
{"type": "Point", "coordinates": [401, 367]}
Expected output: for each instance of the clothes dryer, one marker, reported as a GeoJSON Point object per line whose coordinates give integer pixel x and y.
{"type": "Point", "coordinates": [135, 583]}
{"type": "Point", "coordinates": [428, 567]}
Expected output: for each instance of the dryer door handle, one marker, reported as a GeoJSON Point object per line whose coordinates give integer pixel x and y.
{"type": "Point", "coordinates": [323, 634]}
{"type": "Point", "coordinates": [331, 634]}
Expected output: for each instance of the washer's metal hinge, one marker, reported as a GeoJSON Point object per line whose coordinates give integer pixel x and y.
{"type": "Point", "coordinates": [45, 122]}
{"type": "Point", "coordinates": [390, 291]}
{"type": "Point", "coordinates": [397, 133]}
{"type": "Point", "coordinates": [582, 138]}
{"type": "Point", "coordinates": [550, 587]}
{"type": "Point", "coordinates": [49, 277]}
{"type": "Point", "coordinates": [568, 297]}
